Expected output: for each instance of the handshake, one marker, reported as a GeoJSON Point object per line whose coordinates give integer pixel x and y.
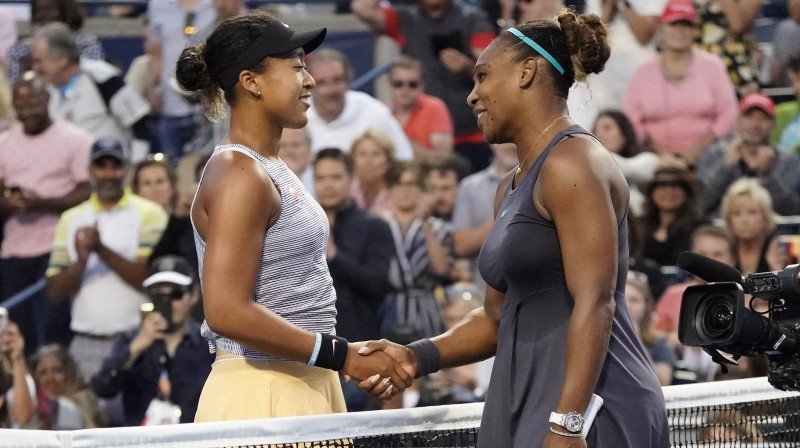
{"type": "Point", "coordinates": [382, 368]}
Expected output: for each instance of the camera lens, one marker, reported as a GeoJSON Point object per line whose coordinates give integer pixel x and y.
{"type": "Point", "coordinates": [716, 318]}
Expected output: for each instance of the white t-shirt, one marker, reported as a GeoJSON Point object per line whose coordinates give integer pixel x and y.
{"type": "Point", "coordinates": [608, 88]}
{"type": "Point", "coordinates": [360, 113]}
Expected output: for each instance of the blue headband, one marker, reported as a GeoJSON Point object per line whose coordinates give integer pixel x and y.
{"type": "Point", "coordinates": [538, 48]}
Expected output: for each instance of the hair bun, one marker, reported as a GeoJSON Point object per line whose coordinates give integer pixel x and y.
{"type": "Point", "coordinates": [191, 71]}
{"type": "Point", "coordinates": [587, 41]}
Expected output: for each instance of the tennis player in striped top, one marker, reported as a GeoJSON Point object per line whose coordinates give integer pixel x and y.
{"type": "Point", "coordinates": [268, 296]}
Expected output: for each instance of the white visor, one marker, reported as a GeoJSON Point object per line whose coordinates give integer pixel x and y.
{"type": "Point", "coordinates": [167, 277]}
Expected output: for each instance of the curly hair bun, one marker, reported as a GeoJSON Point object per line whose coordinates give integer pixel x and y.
{"type": "Point", "coordinates": [191, 70]}
{"type": "Point", "coordinates": [587, 41]}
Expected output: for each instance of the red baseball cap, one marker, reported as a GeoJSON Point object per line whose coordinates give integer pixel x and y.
{"type": "Point", "coordinates": [758, 100]}
{"type": "Point", "coordinates": [678, 10]}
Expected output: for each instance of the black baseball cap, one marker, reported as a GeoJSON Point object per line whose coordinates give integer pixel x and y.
{"type": "Point", "coordinates": [170, 269]}
{"type": "Point", "coordinates": [107, 147]}
{"type": "Point", "coordinates": [277, 38]}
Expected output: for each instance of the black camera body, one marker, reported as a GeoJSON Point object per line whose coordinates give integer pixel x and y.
{"type": "Point", "coordinates": [162, 304]}
{"type": "Point", "coordinates": [717, 318]}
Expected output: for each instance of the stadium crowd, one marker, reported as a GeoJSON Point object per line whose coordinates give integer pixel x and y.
{"type": "Point", "coordinates": [98, 169]}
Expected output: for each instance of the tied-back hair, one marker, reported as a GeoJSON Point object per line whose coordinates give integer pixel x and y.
{"type": "Point", "coordinates": [631, 146]}
{"type": "Point", "coordinates": [161, 163]}
{"type": "Point", "coordinates": [579, 42]}
{"type": "Point", "coordinates": [200, 66]}
{"type": "Point", "coordinates": [401, 167]}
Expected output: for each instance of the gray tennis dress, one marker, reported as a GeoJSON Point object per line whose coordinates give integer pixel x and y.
{"type": "Point", "coordinates": [522, 258]}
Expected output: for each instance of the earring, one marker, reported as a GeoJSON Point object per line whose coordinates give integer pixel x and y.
{"type": "Point", "coordinates": [259, 94]}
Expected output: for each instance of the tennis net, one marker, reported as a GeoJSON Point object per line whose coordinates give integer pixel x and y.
{"type": "Point", "coordinates": [737, 413]}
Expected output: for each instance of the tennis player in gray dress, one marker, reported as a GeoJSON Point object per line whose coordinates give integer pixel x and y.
{"type": "Point", "coordinates": [555, 261]}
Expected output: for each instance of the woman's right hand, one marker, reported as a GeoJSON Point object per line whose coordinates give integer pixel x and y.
{"type": "Point", "coordinates": [13, 342]}
{"type": "Point", "coordinates": [404, 358]}
{"type": "Point", "coordinates": [376, 367]}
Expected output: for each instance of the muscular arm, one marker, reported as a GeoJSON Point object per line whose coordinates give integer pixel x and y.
{"type": "Point", "coordinates": [133, 272]}
{"type": "Point", "coordinates": [66, 283]}
{"type": "Point", "coordinates": [577, 197]}
{"type": "Point", "coordinates": [77, 195]}
{"type": "Point", "coordinates": [643, 27]}
{"type": "Point", "coordinates": [741, 14]}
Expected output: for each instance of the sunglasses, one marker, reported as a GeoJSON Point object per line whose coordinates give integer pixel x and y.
{"type": "Point", "coordinates": [188, 24]}
{"type": "Point", "coordinates": [409, 84]}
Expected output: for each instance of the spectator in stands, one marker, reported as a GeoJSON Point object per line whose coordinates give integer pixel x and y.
{"type": "Point", "coordinates": [296, 153]}
{"type": "Point", "coordinates": [725, 28]}
{"type": "Point", "coordinates": [444, 177]}
{"type": "Point", "coordinates": [373, 155]}
{"type": "Point", "coordinates": [15, 408]}
{"type": "Point", "coordinates": [616, 133]}
{"type": "Point", "coordinates": [446, 36]}
{"type": "Point", "coordinates": [155, 180]}
{"type": "Point", "coordinates": [641, 308]}
{"type": "Point", "coordinates": [42, 173]}
{"type": "Point", "coordinates": [90, 94]}
{"type": "Point", "coordinates": [44, 12]}
{"type": "Point", "coordinates": [785, 43]}
{"type": "Point", "coordinates": [338, 115]}
{"type": "Point", "coordinates": [422, 258]}
{"type": "Point", "coordinates": [56, 374]}
{"type": "Point", "coordinates": [359, 251]}
{"type": "Point", "coordinates": [748, 154]}
{"type": "Point", "coordinates": [632, 26]}
{"type": "Point", "coordinates": [747, 210]}
{"type": "Point", "coordinates": [712, 242]}
{"type": "Point", "coordinates": [473, 211]}
{"type": "Point", "coordinates": [174, 25]}
{"type": "Point", "coordinates": [787, 115]}
{"type": "Point", "coordinates": [6, 107]}
{"type": "Point", "coordinates": [671, 212]}
{"type": "Point", "coordinates": [682, 100]}
{"type": "Point", "coordinates": [8, 35]}
{"type": "Point", "coordinates": [166, 358]}
{"type": "Point", "coordinates": [424, 118]}
{"type": "Point", "coordinates": [99, 257]}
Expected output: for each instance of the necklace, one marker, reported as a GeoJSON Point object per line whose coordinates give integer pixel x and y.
{"type": "Point", "coordinates": [519, 166]}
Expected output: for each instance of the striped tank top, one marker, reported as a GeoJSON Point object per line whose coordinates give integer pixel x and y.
{"type": "Point", "coordinates": [293, 278]}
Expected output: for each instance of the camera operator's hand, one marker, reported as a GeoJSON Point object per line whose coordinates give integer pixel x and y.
{"type": "Point", "coordinates": [152, 330]}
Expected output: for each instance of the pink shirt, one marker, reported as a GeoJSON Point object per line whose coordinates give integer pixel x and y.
{"type": "Point", "coordinates": [677, 116]}
{"type": "Point", "coordinates": [50, 164]}
{"type": "Point", "coordinates": [382, 205]}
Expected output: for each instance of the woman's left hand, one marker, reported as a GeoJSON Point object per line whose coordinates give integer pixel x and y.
{"type": "Point", "coordinates": [556, 441]}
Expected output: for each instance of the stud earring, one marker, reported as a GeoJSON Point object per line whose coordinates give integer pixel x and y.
{"type": "Point", "coordinates": [259, 94]}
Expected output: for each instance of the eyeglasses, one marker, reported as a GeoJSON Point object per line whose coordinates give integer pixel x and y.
{"type": "Point", "coordinates": [188, 27]}
{"type": "Point", "coordinates": [409, 84]}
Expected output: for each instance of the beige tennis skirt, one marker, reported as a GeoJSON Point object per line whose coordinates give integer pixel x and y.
{"type": "Point", "coordinates": [243, 389]}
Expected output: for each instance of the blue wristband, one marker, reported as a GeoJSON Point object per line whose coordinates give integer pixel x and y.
{"type": "Point", "coordinates": [315, 353]}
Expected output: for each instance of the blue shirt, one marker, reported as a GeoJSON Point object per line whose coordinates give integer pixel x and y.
{"type": "Point", "coordinates": [187, 372]}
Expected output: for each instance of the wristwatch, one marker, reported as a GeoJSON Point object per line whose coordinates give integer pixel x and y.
{"type": "Point", "coordinates": [571, 421]}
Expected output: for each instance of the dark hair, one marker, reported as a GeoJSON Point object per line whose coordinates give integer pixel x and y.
{"type": "Point", "coordinates": [173, 179]}
{"type": "Point", "coordinates": [631, 146]}
{"type": "Point", "coordinates": [454, 163]}
{"type": "Point", "coordinates": [335, 154]}
{"type": "Point", "coordinates": [68, 13]}
{"type": "Point", "coordinates": [686, 218]}
{"type": "Point", "coordinates": [200, 66]}
{"type": "Point", "coordinates": [579, 42]}
{"type": "Point", "coordinates": [793, 63]}
{"type": "Point", "coordinates": [401, 167]}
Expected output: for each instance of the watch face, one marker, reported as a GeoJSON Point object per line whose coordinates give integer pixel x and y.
{"type": "Point", "coordinates": [573, 422]}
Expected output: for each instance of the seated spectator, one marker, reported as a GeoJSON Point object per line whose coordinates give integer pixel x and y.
{"type": "Point", "coordinates": [44, 12]}
{"type": "Point", "coordinates": [787, 115]}
{"type": "Point", "coordinates": [656, 279]}
{"type": "Point", "coordinates": [748, 154]}
{"type": "Point", "coordinates": [641, 308]}
{"type": "Point", "coordinates": [632, 26]}
{"type": "Point", "coordinates": [373, 156]}
{"type": "Point", "coordinates": [166, 359]}
{"type": "Point", "coordinates": [56, 374]}
{"type": "Point", "coordinates": [16, 409]}
{"type": "Point", "coordinates": [681, 101]}
{"type": "Point", "coordinates": [473, 212]}
{"type": "Point", "coordinates": [616, 133]}
{"type": "Point", "coordinates": [91, 94]}
{"type": "Point", "coordinates": [726, 29]}
{"type": "Point", "coordinates": [444, 177]}
{"type": "Point", "coordinates": [425, 119]}
{"type": "Point", "coordinates": [295, 151]}
{"type": "Point", "coordinates": [337, 114]}
{"type": "Point", "coordinates": [671, 212]}
{"type": "Point", "coordinates": [99, 258]}
{"type": "Point", "coordinates": [785, 43]}
{"type": "Point", "coordinates": [43, 172]}
{"type": "Point", "coordinates": [447, 37]}
{"type": "Point", "coordinates": [748, 214]}
{"type": "Point", "coordinates": [155, 180]}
